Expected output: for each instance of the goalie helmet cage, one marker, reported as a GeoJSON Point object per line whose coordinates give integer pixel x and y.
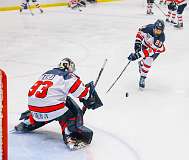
{"type": "Point", "coordinates": [3, 116]}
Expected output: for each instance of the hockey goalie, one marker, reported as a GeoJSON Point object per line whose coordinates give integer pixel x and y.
{"type": "Point", "coordinates": [51, 98]}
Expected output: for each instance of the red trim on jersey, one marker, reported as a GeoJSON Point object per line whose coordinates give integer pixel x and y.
{"type": "Point", "coordinates": [147, 66]}
{"type": "Point", "coordinates": [47, 108]}
{"type": "Point", "coordinates": [146, 53]}
{"type": "Point", "coordinates": [32, 121]}
{"type": "Point", "coordinates": [63, 125]}
{"type": "Point", "coordinates": [72, 119]}
{"type": "Point", "coordinates": [75, 86]}
{"type": "Point", "coordinates": [144, 71]}
{"type": "Point", "coordinates": [139, 36]}
{"type": "Point", "coordinates": [84, 93]}
{"type": "Point", "coordinates": [170, 1]}
{"type": "Point", "coordinates": [179, 1]}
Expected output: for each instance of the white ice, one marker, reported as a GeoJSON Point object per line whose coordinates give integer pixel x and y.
{"type": "Point", "coordinates": [148, 125]}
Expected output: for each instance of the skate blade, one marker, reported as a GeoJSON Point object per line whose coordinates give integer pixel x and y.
{"type": "Point", "coordinates": [14, 131]}
{"type": "Point", "coordinates": [70, 146]}
{"type": "Point", "coordinates": [74, 147]}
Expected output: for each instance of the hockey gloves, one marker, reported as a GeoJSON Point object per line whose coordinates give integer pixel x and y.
{"type": "Point", "coordinates": [134, 56]}
{"type": "Point", "coordinates": [93, 101]}
{"type": "Point", "coordinates": [138, 46]}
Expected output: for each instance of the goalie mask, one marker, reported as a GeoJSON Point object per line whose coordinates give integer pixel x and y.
{"type": "Point", "coordinates": [67, 64]}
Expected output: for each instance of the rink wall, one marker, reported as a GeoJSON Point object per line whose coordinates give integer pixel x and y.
{"type": "Point", "coordinates": [7, 5]}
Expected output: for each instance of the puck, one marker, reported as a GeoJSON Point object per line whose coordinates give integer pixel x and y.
{"type": "Point", "coordinates": [126, 94]}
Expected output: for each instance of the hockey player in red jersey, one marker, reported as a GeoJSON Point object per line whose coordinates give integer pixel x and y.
{"type": "Point", "coordinates": [148, 45]}
{"type": "Point", "coordinates": [51, 99]}
{"type": "Point", "coordinates": [25, 5]}
{"type": "Point", "coordinates": [181, 6]}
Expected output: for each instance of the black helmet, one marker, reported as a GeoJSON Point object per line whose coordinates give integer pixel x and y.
{"type": "Point", "coordinates": [159, 24]}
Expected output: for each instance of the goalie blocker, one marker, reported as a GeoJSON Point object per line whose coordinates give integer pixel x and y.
{"type": "Point", "coordinates": [93, 102]}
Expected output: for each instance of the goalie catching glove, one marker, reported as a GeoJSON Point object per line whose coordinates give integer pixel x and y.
{"type": "Point", "coordinates": [93, 101]}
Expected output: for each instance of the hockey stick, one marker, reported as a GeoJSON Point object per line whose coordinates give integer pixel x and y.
{"type": "Point", "coordinates": [118, 77]}
{"type": "Point", "coordinates": [96, 82]}
{"type": "Point", "coordinates": [100, 73]}
{"type": "Point", "coordinates": [30, 8]}
{"type": "Point", "coordinates": [160, 9]}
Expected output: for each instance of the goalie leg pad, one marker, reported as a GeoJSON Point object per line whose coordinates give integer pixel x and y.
{"type": "Point", "coordinates": [84, 134]}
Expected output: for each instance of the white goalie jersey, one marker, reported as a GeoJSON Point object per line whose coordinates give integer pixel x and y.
{"type": "Point", "coordinates": [47, 97]}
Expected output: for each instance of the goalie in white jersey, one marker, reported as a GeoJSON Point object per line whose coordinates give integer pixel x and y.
{"type": "Point", "coordinates": [49, 100]}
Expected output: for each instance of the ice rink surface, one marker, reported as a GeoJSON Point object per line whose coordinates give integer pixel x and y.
{"type": "Point", "coordinates": [148, 125]}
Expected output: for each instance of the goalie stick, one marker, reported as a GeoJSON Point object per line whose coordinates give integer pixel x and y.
{"type": "Point", "coordinates": [100, 73]}
{"type": "Point", "coordinates": [97, 79]}
{"type": "Point", "coordinates": [118, 77]}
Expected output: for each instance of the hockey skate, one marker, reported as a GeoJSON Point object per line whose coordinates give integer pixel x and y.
{"type": "Point", "coordinates": [74, 144]}
{"type": "Point", "coordinates": [75, 6]}
{"type": "Point", "coordinates": [167, 20]}
{"type": "Point", "coordinates": [149, 13]}
{"type": "Point", "coordinates": [142, 82]}
{"type": "Point", "coordinates": [41, 10]}
{"type": "Point", "coordinates": [21, 127]}
{"type": "Point", "coordinates": [173, 22]}
{"type": "Point", "coordinates": [179, 25]}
